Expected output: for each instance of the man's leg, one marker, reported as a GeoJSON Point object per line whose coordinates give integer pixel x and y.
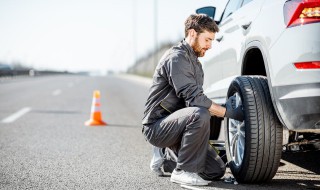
{"type": "Point", "coordinates": [157, 160]}
{"type": "Point", "coordinates": [189, 129]}
{"type": "Point", "coordinates": [215, 167]}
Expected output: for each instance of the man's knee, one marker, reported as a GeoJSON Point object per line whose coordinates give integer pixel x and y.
{"type": "Point", "coordinates": [202, 114]}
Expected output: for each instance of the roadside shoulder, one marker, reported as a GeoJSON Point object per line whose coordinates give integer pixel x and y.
{"type": "Point", "coordinates": [146, 81]}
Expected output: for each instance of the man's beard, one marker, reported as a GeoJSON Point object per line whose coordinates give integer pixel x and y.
{"type": "Point", "coordinates": [197, 48]}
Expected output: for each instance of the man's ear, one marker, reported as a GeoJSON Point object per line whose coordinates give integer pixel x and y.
{"type": "Point", "coordinates": [192, 33]}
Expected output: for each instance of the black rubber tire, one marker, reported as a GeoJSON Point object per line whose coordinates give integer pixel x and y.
{"type": "Point", "coordinates": [263, 131]}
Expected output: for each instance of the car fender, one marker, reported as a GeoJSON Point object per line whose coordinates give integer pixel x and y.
{"type": "Point", "coordinates": [256, 44]}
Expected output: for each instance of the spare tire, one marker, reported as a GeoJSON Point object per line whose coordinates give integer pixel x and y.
{"type": "Point", "coordinates": [253, 146]}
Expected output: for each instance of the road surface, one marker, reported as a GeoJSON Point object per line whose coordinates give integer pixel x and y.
{"type": "Point", "coordinates": [44, 143]}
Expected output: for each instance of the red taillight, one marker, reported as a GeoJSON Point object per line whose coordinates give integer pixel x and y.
{"type": "Point", "coordinates": [308, 65]}
{"type": "Point", "coordinates": [300, 12]}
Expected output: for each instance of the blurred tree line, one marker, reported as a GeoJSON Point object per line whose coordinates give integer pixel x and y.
{"type": "Point", "coordinates": [17, 68]}
{"type": "Point", "coordinates": [146, 65]}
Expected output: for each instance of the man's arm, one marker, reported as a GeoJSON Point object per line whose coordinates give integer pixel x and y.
{"type": "Point", "coordinates": [183, 80]}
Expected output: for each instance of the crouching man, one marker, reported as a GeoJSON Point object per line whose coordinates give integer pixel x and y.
{"type": "Point", "coordinates": [177, 113]}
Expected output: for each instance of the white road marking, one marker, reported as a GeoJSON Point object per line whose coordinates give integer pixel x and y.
{"type": "Point", "coordinates": [56, 92]}
{"type": "Point", "coordinates": [16, 115]}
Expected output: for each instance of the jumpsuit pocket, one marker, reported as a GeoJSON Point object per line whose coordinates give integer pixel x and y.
{"type": "Point", "coordinates": [173, 105]}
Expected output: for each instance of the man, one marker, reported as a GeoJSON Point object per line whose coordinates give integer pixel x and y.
{"type": "Point", "coordinates": [177, 113]}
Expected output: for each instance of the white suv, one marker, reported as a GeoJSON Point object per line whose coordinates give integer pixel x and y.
{"type": "Point", "coordinates": [267, 54]}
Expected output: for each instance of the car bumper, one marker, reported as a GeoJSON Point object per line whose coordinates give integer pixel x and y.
{"type": "Point", "coordinates": [299, 106]}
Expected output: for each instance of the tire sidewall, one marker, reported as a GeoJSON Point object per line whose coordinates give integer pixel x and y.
{"type": "Point", "coordinates": [236, 86]}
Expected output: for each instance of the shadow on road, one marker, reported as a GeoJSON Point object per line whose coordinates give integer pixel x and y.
{"type": "Point", "coordinates": [287, 177]}
{"type": "Point", "coordinates": [307, 160]}
{"type": "Point", "coordinates": [293, 184]}
{"type": "Point", "coordinates": [277, 184]}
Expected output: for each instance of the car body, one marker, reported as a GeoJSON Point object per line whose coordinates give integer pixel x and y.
{"type": "Point", "coordinates": [280, 41]}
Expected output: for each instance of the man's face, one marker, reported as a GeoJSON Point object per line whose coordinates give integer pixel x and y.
{"type": "Point", "coordinates": [202, 42]}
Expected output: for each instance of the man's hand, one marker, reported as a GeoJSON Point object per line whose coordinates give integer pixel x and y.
{"type": "Point", "coordinates": [217, 110]}
{"type": "Point", "coordinates": [232, 111]}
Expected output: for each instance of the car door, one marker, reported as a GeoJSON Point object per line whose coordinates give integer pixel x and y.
{"type": "Point", "coordinates": [221, 56]}
{"type": "Point", "coordinates": [212, 71]}
{"type": "Point", "coordinates": [234, 29]}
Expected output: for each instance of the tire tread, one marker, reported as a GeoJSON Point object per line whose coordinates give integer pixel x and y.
{"type": "Point", "coordinates": [263, 142]}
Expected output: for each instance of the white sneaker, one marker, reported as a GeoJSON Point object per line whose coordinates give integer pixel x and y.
{"type": "Point", "coordinates": [187, 178]}
{"type": "Point", "coordinates": [157, 160]}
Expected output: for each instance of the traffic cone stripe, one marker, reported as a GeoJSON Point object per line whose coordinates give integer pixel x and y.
{"type": "Point", "coordinates": [96, 103]}
{"type": "Point", "coordinates": [95, 109]}
{"type": "Point", "coordinates": [96, 100]}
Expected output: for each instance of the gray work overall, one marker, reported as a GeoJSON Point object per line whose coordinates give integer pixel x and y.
{"type": "Point", "coordinates": [177, 115]}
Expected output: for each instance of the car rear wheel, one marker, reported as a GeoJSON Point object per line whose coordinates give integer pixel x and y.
{"type": "Point", "coordinates": [253, 146]}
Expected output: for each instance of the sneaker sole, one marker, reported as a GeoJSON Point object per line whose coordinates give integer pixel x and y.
{"type": "Point", "coordinates": [182, 183]}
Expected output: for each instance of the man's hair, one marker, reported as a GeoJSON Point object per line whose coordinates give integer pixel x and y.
{"type": "Point", "coordinates": [200, 23]}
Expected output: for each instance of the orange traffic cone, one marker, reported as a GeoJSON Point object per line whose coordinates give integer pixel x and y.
{"type": "Point", "coordinates": [96, 118]}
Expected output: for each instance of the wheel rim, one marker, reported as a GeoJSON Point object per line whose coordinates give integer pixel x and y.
{"type": "Point", "coordinates": [236, 136]}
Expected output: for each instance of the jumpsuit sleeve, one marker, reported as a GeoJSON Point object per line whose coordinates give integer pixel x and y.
{"type": "Point", "coordinates": [183, 80]}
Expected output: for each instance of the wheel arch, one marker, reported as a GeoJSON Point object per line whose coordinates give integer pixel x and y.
{"type": "Point", "coordinates": [256, 56]}
{"type": "Point", "coordinates": [253, 62]}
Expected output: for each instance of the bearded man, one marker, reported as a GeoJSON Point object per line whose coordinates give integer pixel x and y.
{"type": "Point", "coordinates": [177, 112]}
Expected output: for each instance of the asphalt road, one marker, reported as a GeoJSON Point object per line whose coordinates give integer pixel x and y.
{"type": "Point", "coordinates": [44, 143]}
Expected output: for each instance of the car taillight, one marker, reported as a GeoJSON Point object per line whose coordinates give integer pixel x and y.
{"type": "Point", "coordinates": [300, 12]}
{"type": "Point", "coordinates": [308, 65]}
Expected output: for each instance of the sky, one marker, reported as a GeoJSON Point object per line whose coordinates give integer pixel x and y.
{"type": "Point", "coordinates": [90, 35]}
